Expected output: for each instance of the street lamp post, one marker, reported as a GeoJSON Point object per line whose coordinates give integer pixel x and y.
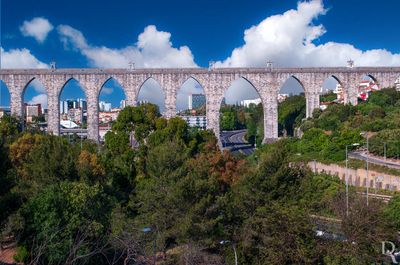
{"type": "Point", "coordinates": [347, 177]}
{"type": "Point", "coordinates": [367, 165]}
{"type": "Point", "coordinates": [367, 169]}
{"type": "Point", "coordinates": [148, 230]}
{"type": "Point", "coordinates": [223, 242]}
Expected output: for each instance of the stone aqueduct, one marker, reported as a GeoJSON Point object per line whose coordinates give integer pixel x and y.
{"type": "Point", "coordinates": [215, 82]}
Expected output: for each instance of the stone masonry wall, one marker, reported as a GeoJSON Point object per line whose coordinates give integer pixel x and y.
{"type": "Point", "coordinates": [215, 82]}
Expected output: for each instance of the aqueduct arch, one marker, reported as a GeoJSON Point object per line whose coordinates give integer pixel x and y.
{"type": "Point", "coordinates": [267, 82]}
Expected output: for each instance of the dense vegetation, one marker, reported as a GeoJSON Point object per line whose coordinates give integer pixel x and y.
{"type": "Point", "coordinates": [175, 191]}
{"type": "Point", "coordinates": [327, 133]}
{"type": "Point", "coordinates": [235, 117]}
{"type": "Point", "coordinates": [291, 112]}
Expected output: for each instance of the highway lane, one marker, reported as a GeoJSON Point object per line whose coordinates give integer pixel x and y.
{"type": "Point", "coordinates": [374, 160]}
{"type": "Point", "coordinates": [235, 142]}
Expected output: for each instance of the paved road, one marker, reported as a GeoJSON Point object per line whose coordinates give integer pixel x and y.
{"type": "Point", "coordinates": [375, 160]}
{"type": "Point", "coordinates": [234, 141]}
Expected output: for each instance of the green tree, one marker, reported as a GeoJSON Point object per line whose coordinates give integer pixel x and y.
{"type": "Point", "coordinates": [10, 128]}
{"type": "Point", "coordinates": [41, 160]}
{"type": "Point", "coordinates": [278, 234]}
{"type": "Point", "coordinates": [290, 113]}
{"type": "Point", "coordinates": [66, 220]}
{"type": "Point", "coordinates": [392, 212]}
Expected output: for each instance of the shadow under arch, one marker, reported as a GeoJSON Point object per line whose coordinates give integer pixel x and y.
{"type": "Point", "coordinates": [292, 106]}
{"type": "Point", "coordinates": [149, 92]}
{"type": "Point", "coordinates": [241, 108]}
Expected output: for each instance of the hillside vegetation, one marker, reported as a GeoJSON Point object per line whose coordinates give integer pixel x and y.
{"type": "Point", "coordinates": [177, 193]}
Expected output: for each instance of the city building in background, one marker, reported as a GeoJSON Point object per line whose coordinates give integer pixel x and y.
{"type": "Point", "coordinates": [196, 101]}
{"type": "Point", "coordinates": [73, 113]}
{"type": "Point", "coordinates": [76, 115]}
{"type": "Point", "coordinates": [123, 103]}
{"type": "Point", "coordinates": [196, 121]}
{"type": "Point", "coordinates": [104, 106]}
{"type": "Point", "coordinates": [142, 102]}
{"type": "Point", "coordinates": [365, 88]}
{"type": "Point", "coordinates": [4, 111]}
{"type": "Point", "coordinates": [106, 117]}
{"type": "Point", "coordinates": [282, 97]}
{"type": "Point", "coordinates": [32, 111]}
{"type": "Point", "coordinates": [246, 103]}
{"type": "Point", "coordinates": [339, 93]}
{"type": "Point", "coordinates": [66, 105]}
{"type": "Point", "coordinates": [82, 104]}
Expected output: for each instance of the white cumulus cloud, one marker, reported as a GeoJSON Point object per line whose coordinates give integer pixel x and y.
{"type": "Point", "coordinates": [107, 90]}
{"type": "Point", "coordinates": [37, 86]}
{"type": "Point", "coordinates": [19, 58]}
{"type": "Point", "coordinates": [288, 40]}
{"type": "Point", "coordinates": [37, 28]}
{"type": "Point", "coordinates": [153, 49]}
{"type": "Point", "coordinates": [39, 99]}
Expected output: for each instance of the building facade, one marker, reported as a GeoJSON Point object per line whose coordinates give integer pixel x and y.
{"type": "Point", "coordinates": [32, 111]}
{"type": "Point", "coordinates": [196, 101]}
{"type": "Point", "coordinates": [196, 121]}
{"type": "Point", "coordinates": [246, 103]}
{"type": "Point", "coordinates": [104, 106]}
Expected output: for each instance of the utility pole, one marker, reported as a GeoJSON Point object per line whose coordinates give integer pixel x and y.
{"type": "Point", "coordinates": [367, 168]}
{"type": "Point", "coordinates": [347, 182]}
{"type": "Point", "coordinates": [347, 177]}
{"type": "Point", "coordinates": [223, 242]}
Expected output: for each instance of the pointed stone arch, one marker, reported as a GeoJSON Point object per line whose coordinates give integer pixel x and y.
{"type": "Point", "coordinates": [191, 102]}
{"type": "Point", "coordinates": [257, 97]}
{"type": "Point", "coordinates": [331, 92]}
{"type": "Point", "coordinates": [107, 111]}
{"type": "Point", "coordinates": [154, 85]}
{"type": "Point", "coordinates": [293, 91]}
{"type": "Point", "coordinates": [373, 77]}
{"type": "Point", "coordinates": [35, 106]}
{"type": "Point", "coordinates": [366, 85]}
{"type": "Point", "coordinates": [115, 79]}
{"type": "Point", "coordinates": [76, 119]}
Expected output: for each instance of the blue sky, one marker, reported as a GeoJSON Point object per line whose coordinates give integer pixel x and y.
{"type": "Point", "coordinates": [90, 33]}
